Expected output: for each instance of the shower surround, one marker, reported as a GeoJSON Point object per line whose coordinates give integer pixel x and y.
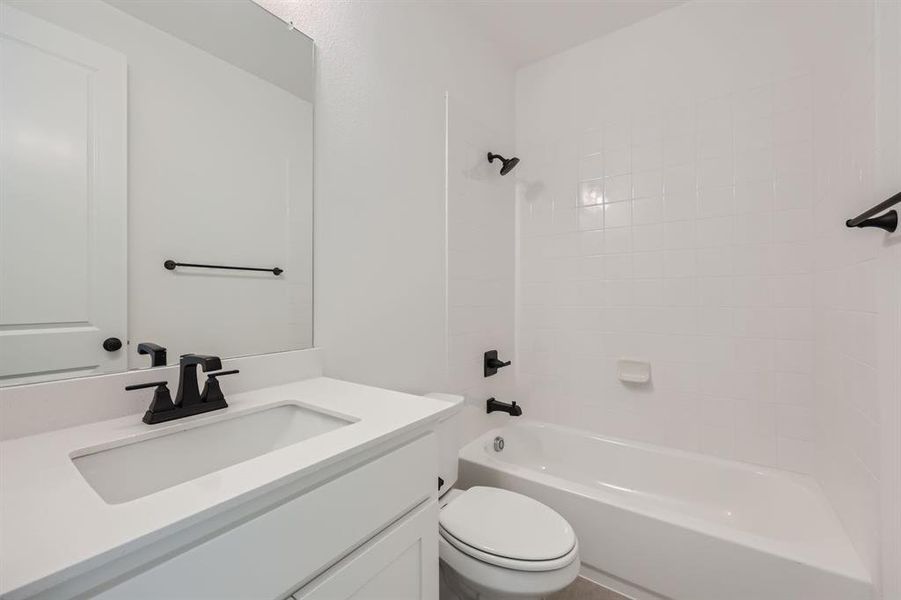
{"type": "Point", "coordinates": [681, 199]}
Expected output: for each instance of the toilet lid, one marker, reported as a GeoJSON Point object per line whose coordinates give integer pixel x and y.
{"type": "Point", "coordinates": [507, 524]}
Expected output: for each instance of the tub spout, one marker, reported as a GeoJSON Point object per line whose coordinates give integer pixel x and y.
{"type": "Point", "coordinates": [511, 409]}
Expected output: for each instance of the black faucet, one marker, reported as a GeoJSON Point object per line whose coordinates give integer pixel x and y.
{"type": "Point", "coordinates": [157, 353]}
{"type": "Point", "coordinates": [188, 393]}
{"type": "Point", "coordinates": [511, 409]}
{"type": "Point", "coordinates": [188, 400]}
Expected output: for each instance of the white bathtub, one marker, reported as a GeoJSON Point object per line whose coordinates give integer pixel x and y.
{"type": "Point", "coordinates": [654, 522]}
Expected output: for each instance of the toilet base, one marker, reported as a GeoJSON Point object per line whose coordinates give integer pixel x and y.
{"type": "Point", "coordinates": [479, 581]}
{"type": "Point", "coordinates": [453, 587]}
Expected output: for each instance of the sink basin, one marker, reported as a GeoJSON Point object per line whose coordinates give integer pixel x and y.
{"type": "Point", "coordinates": [142, 467]}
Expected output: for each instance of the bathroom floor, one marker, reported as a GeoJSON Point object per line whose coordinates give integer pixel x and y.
{"type": "Point", "coordinates": [584, 589]}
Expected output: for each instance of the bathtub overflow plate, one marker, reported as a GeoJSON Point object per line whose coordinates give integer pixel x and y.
{"type": "Point", "coordinates": [498, 444]}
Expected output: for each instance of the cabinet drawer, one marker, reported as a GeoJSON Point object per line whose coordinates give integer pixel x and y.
{"type": "Point", "coordinates": [274, 553]}
{"type": "Point", "coordinates": [400, 564]}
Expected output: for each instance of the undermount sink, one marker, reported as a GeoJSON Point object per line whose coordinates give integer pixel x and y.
{"type": "Point", "coordinates": [142, 467]}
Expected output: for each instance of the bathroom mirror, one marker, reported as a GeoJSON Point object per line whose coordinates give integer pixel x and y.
{"type": "Point", "coordinates": [138, 136]}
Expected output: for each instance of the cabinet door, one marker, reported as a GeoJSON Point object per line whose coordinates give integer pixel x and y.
{"type": "Point", "coordinates": [399, 564]}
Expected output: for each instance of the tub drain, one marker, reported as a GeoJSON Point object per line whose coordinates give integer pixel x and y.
{"type": "Point", "coordinates": [498, 444]}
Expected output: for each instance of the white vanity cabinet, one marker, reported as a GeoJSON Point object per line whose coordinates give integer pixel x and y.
{"type": "Point", "coordinates": [400, 564]}
{"type": "Point", "coordinates": [370, 532]}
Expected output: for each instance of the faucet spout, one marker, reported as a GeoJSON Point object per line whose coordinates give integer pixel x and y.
{"type": "Point", "coordinates": [188, 389]}
{"type": "Point", "coordinates": [208, 363]}
{"type": "Point", "coordinates": [511, 409]}
{"type": "Point", "coordinates": [157, 353]}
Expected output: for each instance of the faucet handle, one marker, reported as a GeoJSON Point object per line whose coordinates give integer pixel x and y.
{"type": "Point", "coordinates": [141, 386]}
{"type": "Point", "coordinates": [161, 403]}
{"type": "Point", "coordinates": [221, 373]}
{"type": "Point", "coordinates": [491, 363]}
{"type": "Point", "coordinates": [212, 392]}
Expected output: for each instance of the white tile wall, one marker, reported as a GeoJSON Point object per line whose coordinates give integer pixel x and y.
{"type": "Point", "coordinates": [684, 186]}
{"type": "Point", "coordinates": [857, 301]}
{"type": "Point", "coordinates": [481, 266]}
{"type": "Point", "coordinates": [655, 257]}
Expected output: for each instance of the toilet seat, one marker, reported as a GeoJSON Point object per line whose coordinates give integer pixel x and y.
{"type": "Point", "coordinates": [508, 530]}
{"type": "Point", "coordinates": [510, 563]}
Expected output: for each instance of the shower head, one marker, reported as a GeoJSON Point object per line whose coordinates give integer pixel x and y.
{"type": "Point", "coordinates": [508, 163]}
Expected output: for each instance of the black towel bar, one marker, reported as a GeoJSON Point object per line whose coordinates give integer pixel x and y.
{"type": "Point", "coordinates": [887, 221]}
{"type": "Point", "coordinates": [171, 264]}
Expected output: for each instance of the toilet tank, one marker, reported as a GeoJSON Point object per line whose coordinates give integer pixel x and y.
{"type": "Point", "coordinates": [449, 432]}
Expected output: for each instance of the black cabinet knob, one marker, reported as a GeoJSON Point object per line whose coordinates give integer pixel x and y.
{"type": "Point", "coordinates": [112, 344]}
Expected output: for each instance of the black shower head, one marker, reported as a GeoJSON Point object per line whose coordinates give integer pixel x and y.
{"type": "Point", "coordinates": [508, 163]}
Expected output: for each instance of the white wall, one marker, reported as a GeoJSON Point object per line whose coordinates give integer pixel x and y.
{"type": "Point", "coordinates": [380, 269]}
{"type": "Point", "coordinates": [684, 187]}
{"type": "Point", "coordinates": [219, 171]}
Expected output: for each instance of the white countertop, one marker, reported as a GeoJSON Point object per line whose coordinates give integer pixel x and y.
{"type": "Point", "coordinates": [54, 525]}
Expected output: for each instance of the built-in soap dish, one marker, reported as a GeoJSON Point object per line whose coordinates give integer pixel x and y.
{"type": "Point", "coordinates": [630, 370]}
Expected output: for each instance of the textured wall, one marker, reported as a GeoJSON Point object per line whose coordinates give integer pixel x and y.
{"type": "Point", "coordinates": [380, 267]}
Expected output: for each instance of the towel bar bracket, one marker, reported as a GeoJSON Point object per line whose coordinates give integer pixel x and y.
{"type": "Point", "coordinates": [887, 221]}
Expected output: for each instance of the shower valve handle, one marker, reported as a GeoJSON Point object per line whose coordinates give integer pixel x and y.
{"type": "Point", "coordinates": [492, 363]}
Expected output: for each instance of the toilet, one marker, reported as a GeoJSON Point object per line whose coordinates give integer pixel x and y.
{"type": "Point", "coordinates": [495, 544]}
